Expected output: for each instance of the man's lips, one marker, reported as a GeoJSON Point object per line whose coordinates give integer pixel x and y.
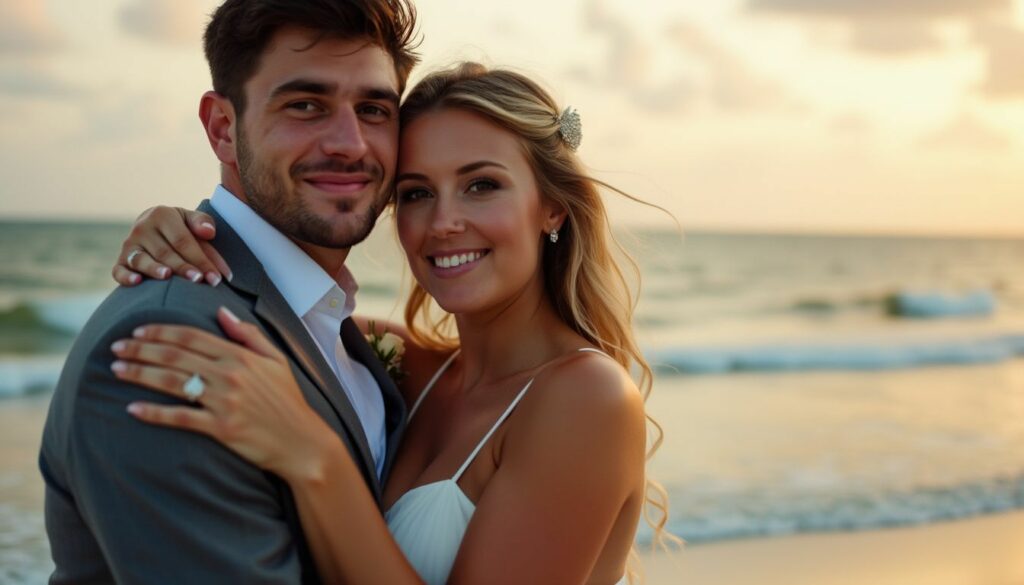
{"type": "Point", "coordinates": [338, 182]}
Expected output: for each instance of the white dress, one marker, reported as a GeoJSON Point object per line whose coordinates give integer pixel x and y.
{"type": "Point", "coordinates": [429, 521]}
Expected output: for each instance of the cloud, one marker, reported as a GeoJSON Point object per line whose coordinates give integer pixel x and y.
{"type": "Point", "coordinates": [25, 28]}
{"type": "Point", "coordinates": [732, 83]}
{"type": "Point", "coordinates": [167, 21]}
{"type": "Point", "coordinates": [887, 27]}
{"type": "Point", "coordinates": [695, 66]}
{"type": "Point", "coordinates": [30, 83]}
{"type": "Point", "coordinates": [1004, 59]}
{"type": "Point", "coordinates": [627, 65]}
{"type": "Point", "coordinates": [882, 9]}
{"type": "Point", "coordinates": [967, 132]}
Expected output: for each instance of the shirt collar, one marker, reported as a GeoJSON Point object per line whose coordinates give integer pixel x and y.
{"type": "Point", "coordinates": [302, 282]}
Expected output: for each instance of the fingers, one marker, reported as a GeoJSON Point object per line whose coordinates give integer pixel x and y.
{"type": "Point", "coordinates": [125, 277]}
{"type": "Point", "coordinates": [217, 259]}
{"type": "Point", "coordinates": [248, 335]}
{"type": "Point", "coordinates": [195, 340]}
{"type": "Point", "coordinates": [162, 354]}
{"type": "Point", "coordinates": [143, 264]}
{"type": "Point", "coordinates": [178, 417]}
{"type": "Point", "coordinates": [164, 380]}
{"type": "Point", "coordinates": [199, 223]}
{"type": "Point", "coordinates": [161, 243]}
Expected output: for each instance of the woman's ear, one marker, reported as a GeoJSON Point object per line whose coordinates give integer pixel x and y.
{"type": "Point", "coordinates": [554, 217]}
{"type": "Point", "coordinates": [218, 117]}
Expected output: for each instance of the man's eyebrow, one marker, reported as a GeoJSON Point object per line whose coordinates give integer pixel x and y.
{"type": "Point", "coordinates": [381, 93]}
{"type": "Point", "coordinates": [304, 86]}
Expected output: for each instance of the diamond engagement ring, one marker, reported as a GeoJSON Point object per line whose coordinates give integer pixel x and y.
{"type": "Point", "coordinates": [131, 257]}
{"type": "Point", "coordinates": [194, 388]}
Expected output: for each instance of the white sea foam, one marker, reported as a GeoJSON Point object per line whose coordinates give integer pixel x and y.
{"type": "Point", "coordinates": [22, 376]}
{"type": "Point", "coordinates": [879, 354]}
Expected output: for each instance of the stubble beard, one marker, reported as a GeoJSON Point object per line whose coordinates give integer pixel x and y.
{"type": "Point", "coordinates": [269, 196]}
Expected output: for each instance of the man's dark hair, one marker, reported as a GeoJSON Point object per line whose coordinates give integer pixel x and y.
{"type": "Point", "coordinates": [239, 31]}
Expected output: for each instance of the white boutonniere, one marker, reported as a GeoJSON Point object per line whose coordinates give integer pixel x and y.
{"type": "Point", "coordinates": [389, 349]}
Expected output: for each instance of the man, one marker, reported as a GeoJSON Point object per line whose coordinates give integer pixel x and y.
{"type": "Point", "coordinates": [304, 120]}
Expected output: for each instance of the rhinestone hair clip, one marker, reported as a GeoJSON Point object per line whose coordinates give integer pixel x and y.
{"type": "Point", "coordinates": [570, 126]}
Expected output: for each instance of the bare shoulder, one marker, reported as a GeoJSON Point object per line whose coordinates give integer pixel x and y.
{"type": "Point", "coordinates": [587, 395]}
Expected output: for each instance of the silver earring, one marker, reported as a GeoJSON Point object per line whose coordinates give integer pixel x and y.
{"type": "Point", "coordinates": [554, 236]}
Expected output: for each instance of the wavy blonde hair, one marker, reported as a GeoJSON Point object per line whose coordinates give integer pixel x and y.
{"type": "Point", "coordinates": [582, 278]}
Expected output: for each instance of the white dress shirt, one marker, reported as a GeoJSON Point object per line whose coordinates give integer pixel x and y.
{"type": "Point", "coordinates": [321, 302]}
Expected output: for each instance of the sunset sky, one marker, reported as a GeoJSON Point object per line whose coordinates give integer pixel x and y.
{"type": "Point", "coordinates": [811, 115]}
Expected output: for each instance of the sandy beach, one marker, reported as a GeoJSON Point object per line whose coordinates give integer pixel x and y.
{"type": "Point", "coordinates": [987, 550]}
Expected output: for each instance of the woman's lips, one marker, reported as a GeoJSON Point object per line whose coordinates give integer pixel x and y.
{"type": "Point", "coordinates": [453, 263]}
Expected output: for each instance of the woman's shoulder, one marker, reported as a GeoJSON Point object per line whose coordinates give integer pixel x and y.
{"type": "Point", "coordinates": [587, 392]}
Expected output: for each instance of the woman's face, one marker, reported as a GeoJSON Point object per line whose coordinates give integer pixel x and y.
{"type": "Point", "coordinates": [469, 215]}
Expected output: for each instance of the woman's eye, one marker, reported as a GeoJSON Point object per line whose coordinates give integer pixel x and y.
{"type": "Point", "coordinates": [411, 195]}
{"type": "Point", "coordinates": [482, 185]}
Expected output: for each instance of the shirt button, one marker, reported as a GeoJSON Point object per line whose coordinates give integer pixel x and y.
{"type": "Point", "coordinates": [334, 303]}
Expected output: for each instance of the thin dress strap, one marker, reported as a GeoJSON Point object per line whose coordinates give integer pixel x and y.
{"type": "Point", "coordinates": [483, 441]}
{"type": "Point", "coordinates": [505, 415]}
{"type": "Point", "coordinates": [430, 384]}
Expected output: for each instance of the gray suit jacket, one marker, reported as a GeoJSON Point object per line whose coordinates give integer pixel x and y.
{"type": "Point", "coordinates": [128, 502]}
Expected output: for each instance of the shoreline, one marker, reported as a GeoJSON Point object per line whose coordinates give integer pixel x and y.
{"type": "Point", "coordinates": [982, 550]}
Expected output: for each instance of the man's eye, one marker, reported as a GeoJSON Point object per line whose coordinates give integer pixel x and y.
{"type": "Point", "coordinates": [376, 111]}
{"type": "Point", "coordinates": [305, 107]}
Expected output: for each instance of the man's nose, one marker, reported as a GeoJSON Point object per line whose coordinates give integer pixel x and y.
{"type": "Point", "coordinates": [344, 136]}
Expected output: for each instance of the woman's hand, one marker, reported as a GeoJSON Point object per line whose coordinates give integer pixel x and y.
{"type": "Point", "coordinates": [170, 240]}
{"type": "Point", "coordinates": [250, 401]}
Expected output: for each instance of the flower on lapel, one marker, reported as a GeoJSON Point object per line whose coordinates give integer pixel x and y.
{"type": "Point", "coordinates": [389, 349]}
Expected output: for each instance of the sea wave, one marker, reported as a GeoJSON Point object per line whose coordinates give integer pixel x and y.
{"type": "Point", "coordinates": [66, 314]}
{"type": "Point", "coordinates": [24, 376]}
{"type": "Point", "coordinates": [702, 516]}
{"type": "Point", "coordinates": [861, 356]}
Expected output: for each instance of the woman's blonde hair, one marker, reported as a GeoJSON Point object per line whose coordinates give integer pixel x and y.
{"type": "Point", "coordinates": [582, 278]}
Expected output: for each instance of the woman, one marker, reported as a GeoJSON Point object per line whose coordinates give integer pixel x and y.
{"type": "Point", "coordinates": [525, 450]}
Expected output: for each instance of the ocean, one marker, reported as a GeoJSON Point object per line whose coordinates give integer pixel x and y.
{"type": "Point", "coordinates": [804, 382]}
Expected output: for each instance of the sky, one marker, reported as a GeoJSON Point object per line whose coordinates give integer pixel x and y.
{"type": "Point", "coordinates": [851, 116]}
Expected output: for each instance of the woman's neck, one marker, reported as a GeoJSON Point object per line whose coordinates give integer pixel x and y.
{"type": "Point", "coordinates": [520, 335]}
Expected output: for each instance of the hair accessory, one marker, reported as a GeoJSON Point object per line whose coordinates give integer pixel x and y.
{"type": "Point", "coordinates": [570, 126]}
{"type": "Point", "coordinates": [554, 236]}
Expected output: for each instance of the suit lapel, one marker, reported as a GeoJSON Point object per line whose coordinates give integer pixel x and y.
{"type": "Point", "coordinates": [394, 405]}
{"type": "Point", "coordinates": [273, 310]}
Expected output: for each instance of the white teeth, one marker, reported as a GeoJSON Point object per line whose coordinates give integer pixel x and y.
{"type": "Point", "coordinates": [456, 259]}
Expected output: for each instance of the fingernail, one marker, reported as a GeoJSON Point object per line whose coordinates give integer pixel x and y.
{"type": "Point", "coordinates": [213, 278]}
{"type": "Point", "coordinates": [230, 315]}
{"type": "Point", "coordinates": [139, 332]}
{"type": "Point", "coordinates": [194, 275]}
{"type": "Point", "coordinates": [134, 278]}
{"type": "Point", "coordinates": [134, 408]}
{"type": "Point", "coordinates": [163, 272]}
{"type": "Point", "coordinates": [117, 346]}
{"type": "Point", "coordinates": [207, 225]}
{"type": "Point", "coordinates": [118, 367]}
{"type": "Point", "coordinates": [230, 275]}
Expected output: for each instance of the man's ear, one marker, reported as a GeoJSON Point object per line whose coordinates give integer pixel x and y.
{"type": "Point", "coordinates": [218, 117]}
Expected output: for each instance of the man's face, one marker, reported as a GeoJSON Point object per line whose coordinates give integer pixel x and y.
{"type": "Point", "coordinates": [317, 142]}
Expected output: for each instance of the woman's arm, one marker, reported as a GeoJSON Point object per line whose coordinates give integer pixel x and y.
{"type": "Point", "coordinates": [253, 406]}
